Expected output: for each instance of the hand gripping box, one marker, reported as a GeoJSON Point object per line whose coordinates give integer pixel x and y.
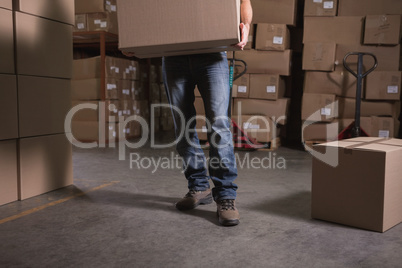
{"type": "Point", "coordinates": [357, 182]}
{"type": "Point", "coordinates": [155, 28]}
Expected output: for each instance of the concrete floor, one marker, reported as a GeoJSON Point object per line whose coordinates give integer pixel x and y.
{"type": "Point", "coordinates": [115, 216]}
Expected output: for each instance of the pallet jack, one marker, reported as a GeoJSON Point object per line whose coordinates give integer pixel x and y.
{"type": "Point", "coordinates": [241, 140]}
{"type": "Point", "coordinates": [354, 130]}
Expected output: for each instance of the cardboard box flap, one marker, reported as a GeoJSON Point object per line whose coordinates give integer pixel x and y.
{"type": "Point", "coordinates": [378, 147]}
{"type": "Point", "coordinates": [394, 142]}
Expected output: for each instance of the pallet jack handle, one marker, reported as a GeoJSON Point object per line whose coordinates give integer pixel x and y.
{"type": "Point", "coordinates": [359, 75]}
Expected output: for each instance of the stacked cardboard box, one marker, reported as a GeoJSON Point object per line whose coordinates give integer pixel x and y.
{"type": "Point", "coordinates": [99, 113]}
{"type": "Point", "coordinates": [329, 89]}
{"type": "Point", "coordinates": [35, 72]}
{"type": "Point", "coordinates": [96, 15]}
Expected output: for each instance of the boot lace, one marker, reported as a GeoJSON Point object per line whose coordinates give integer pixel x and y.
{"type": "Point", "coordinates": [227, 204]}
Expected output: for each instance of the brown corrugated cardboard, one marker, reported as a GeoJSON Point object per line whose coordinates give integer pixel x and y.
{"type": "Point", "coordinates": [277, 109]}
{"type": "Point", "coordinates": [383, 86]}
{"type": "Point", "coordinates": [382, 30]}
{"type": "Point", "coordinates": [368, 108]}
{"type": "Point", "coordinates": [7, 42]}
{"type": "Point", "coordinates": [346, 193]}
{"type": "Point", "coordinates": [110, 111]}
{"type": "Point", "coordinates": [91, 68]}
{"type": "Point", "coordinates": [90, 131]}
{"type": "Point", "coordinates": [272, 37]}
{"type": "Point", "coordinates": [368, 7]}
{"type": "Point", "coordinates": [267, 86]}
{"type": "Point", "coordinates": [241, 87]}
{"type": "Point", "coordinates": [7, 4]}
{"type": "Point", "coordinates": [94, 6]}
{"type": "Point", "coordinates": [274, 11]}
{"type": "Point", "coordinates": [320, 8]}
{"type": "Point", "coordinates": [319, 107]}
{"type": "Point", "coordinates": [376, 126]}
{"type": "Point", "coordinates": [251, 37]}
{"type": "Point", "coordinates": [43, 104]}
{"type": "Point", "coordinates": [45, 164]}
{"type": "Point", "coordinates": [8, 167]}
{"type": "Point", "coordinates": [319, 56]}
{"type": "Point", "coordinates": [105, 21]}
{"type": "Point", "coordinates": [8, 107]}
{"type": "Point", "coordinates": [387, 56]}
{"type": "Point", "coordinates": [81, 24]}
{"type": "Point", "coordinates": [43, 47]}
{"type": "Point", "coordinates": [58, 10]}
{"type": "Point", "coordinates": [320, 131]}
{"type": "Point", "coordinates": [90, 89]}
{"type": "Point", "coordinates": [259, 127]}
{"type": "Point", "coordinates": [268, 62]}
{"type": "Point", "coordinates": [340, 83]}
{"type": "Point", "coordinates": [192, 19]}
{"type": "Point", "coordinates": [339, 30]}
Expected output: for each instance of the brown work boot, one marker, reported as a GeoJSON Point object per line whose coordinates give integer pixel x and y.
{"type": "Point", "coordinates": [194, 198]}
{"type": "Point", "coordinates": [227, 212]}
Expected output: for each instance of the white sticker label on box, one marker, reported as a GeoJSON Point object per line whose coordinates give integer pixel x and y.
{"type": "Point", "coordinates": [242, 89]}
{"type": "Point", "coordinates": [278, 40]}
{"type": "Point", "coordinates": [204, 129]}
{"type": "Point", "coordinates": [250, 38]}
{"type": "Point", "coordinates": [111, 86]}
{"type": "Point", "coordinates": [108, 3]}
{"type": "Point", "coordinates": [328, 4]}
{"type": "Point", "coordinates": [317, 1]}
{"type": "Point", "coordinates": [97, 21]}
{"type": "Point", "coordinates": [248, 125]}
{"type": "Point", "coordinates": [393, 89]}
{"type": "Point", "coordinates": [383, 133]}
{"type": "Point", "coordinates": [80, 26]}
{"type": "Point", "coordinates": [113, 8]}
{"type": "Point", "coordinates": [271, 89]}
{"type": "Point", "coordinates": [326, 111]}
{"type": "Point", "coordinates": [103, 24]}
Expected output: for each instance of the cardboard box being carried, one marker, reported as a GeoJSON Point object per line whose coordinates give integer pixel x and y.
{"type": "Point", "coordinates": [272, 37]}
{"type": "Point", "coordinates": [383, 86]}
{"type": "Point", "coordinates": [7, 42]}
{"type": "Point", "coordinates": [319, 56]}
{"type": "Point", "coordinates": [320, 8]}
{"type": "Point", "coordinates": [187, 26]}
{"type": "Point", "coordinates": [357, 182]}
{"type": "Point", "coordinates": [382, 30]}
{"type": "Point", "coordinates": [8, 167]}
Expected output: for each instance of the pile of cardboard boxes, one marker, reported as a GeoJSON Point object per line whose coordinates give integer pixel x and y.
{"type": "Point", "coordinates": [95, 15]}
{"type": "Point", "coordinates": [331, 30]}
{"type": "Point", "coordinates": [35, 73]}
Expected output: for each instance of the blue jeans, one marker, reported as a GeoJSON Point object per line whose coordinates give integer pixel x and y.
{"type": "Point", "coordinates": [210, 73]}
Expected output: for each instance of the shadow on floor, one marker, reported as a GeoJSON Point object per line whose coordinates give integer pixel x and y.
{"type": "Point", "coordinates": [295, 206]}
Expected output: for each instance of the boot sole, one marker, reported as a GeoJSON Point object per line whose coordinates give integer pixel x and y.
{"type": "Point", "coordinates": [232, 222]}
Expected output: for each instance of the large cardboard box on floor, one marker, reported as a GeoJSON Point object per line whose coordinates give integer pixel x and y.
{"type": "Point", "coordinates": [339, 30]}
{"type": "Point", "coordinates": [272, 37]}
{"type": "Point", "coordinates": [7, 42]}
{"type": "Point", "coordinates": [8, 107]}
{"type": "Point", "coordinates": [340, 83]}
{"type": "Point", "coordinates": [45, 164]}
{"type": "Point", "coordinates": [262, 128]}
{"type": "Point", "coordinates": [274, 11]}
{"type": "Point", "coordinates": [94, 6]}
{"type": "Point", "coordinates": [383, 86]}
{"type": "Point", "coordinates": [43, 47]}
{"type": "Point", "coordinates": [382, 30]}
{"type": "Point", "coordinates": [58, 10]}
{"type": "Point", "coordinates": [267, 86]}
{"type": "Point", "coordinates": [277, 110]}
{"type": "Point", "coordinates": [187, 26]}
{"type": "Point", "coordinates": [320, 8]}
{"type": "Point", "coordinates": [368, 7]}
{"type": "Point", "coordinates": [376, 126]}
{"type": "Point", "coordinates": [43, 104]}
{"type": "Point", "coordinates": [7, 4]}
{"type": "Point", "coordinates": [359, 184]}
{"type": "Point", "coordinates": [319, 56]}
{"type": "Point", "coordinates": [8, 167]}
{"type": "Point", "coordinates": [266, 62]}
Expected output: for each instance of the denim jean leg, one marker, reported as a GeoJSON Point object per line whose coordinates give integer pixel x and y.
{"type": "Point", "coordinates": [180, 86]}
{"type": "Point", "coordinates": [213, 83]}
